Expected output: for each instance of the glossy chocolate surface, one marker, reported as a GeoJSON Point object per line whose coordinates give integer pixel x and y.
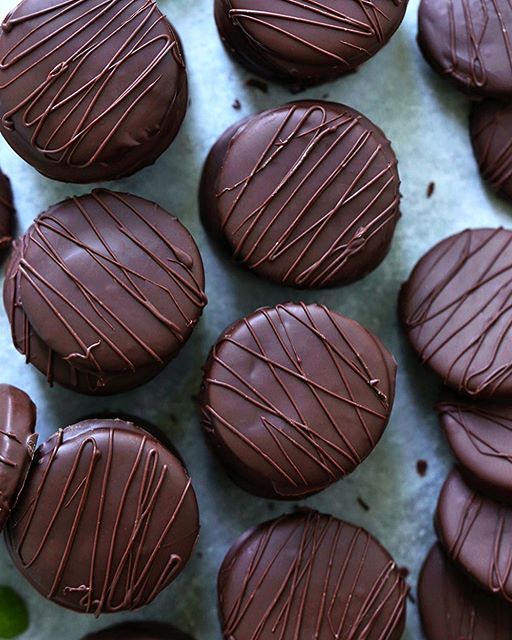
{"type": "Point", "coordinates": [103, 290]}
{"type": "Point", "coordinates": [476, 533]}
{"type": "Point", "coordinates": [90, 89]}
{"type": "Point", "coordinates": [306, 194]}
{"type": "Point", "coordinates": [295, 397]}
{"type": "Point", "coordinates": [306, 41]}
{"type": "Point", "coordinates": [17, 445]}
{"type": "Point", "coordinates": [469, 42]}
{"type": "Point", "coordinates": [491, 136]}
{"type": "Point", "coordinates": [456, 313]}
{"type": "Point", "coordinates": [107, 519]}
{"type": "Point", "coordinates": [480, 437]}
{"type": "Point", "coordinates": [452, 607]}
{"type": "Point", "coordinates": [310, 576]}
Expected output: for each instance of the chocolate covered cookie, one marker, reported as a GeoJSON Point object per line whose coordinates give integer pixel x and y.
{"type": "Point", "coordinates": [107, 519]}
{"type": "Point", "coordinates": [456, 313]}
{"type": "Point", "coordinates": [90, 90]}
{"type": "Point", "coordinates": [295, 397]}
{"type": "Point", "coordinates": [7, 213]}
{"type": "Point", "coordinates": [307, 41]}
{"type": "Point", "coordinates": [310, 576]}
{"type": "Point", "coordinates": [306, 194]}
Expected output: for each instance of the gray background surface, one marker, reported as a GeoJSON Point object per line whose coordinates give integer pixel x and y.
{"type": "Point", "coordinates": [427, 123]}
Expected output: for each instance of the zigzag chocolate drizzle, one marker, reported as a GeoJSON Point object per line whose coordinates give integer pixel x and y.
{"type": "Point", "coordinates": [74, 73]}
{"type": "Point", "coordinates": [477, 534]}
{"type": "Point", "coordinates": [108, 518]}
{"type": "Point", "coordinates": [473, 46]}
{"type": "Point", "coordinates": [313, 577]}
{"type": "Point", "coordinates": [322, 194]}
{"type": "Point", "coordinates": [101, 287]}
{"type": "Point", "coordinates": [452, 606]}
{"type": "Point", "coordinates": [457, 313]}
{"type": "Point", "coordinates": [304, 38]}
{"type": "Point", "coordinates": [491, 127]}
{"type": "Point", "coordinates": [295, 397]}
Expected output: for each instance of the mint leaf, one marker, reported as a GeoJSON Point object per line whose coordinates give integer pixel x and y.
{"type": "Point", "coordinates": [14, 618]}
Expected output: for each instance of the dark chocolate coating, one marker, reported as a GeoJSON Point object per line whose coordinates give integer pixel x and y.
{"type": "Point", "coordinates": [17, 445]}
{"type": "Point", "coordinates": [107, 519]}
{"type": "Point", "coordinates": [480, 436]}
{"type": "Point", "coordinates": [295, 397]}
{"type": "Point", "coordinates": [307, 41]}
{"type": "Point", "coordinates": [491, 135]}
{"type": "Point", "coordinates": [7, 213]}
{"type": "Point", "coordinates": [306, 194]}
{"type": "Point", "coordinates": [456, 313]}
{"type": "Point", "coordinates": [452, 607]}
{"type": "Point", "coordinates": [139, 631]}
{"type": "Point", "coordinates": [90, 90]}
{"type": "Point", "coordinates": [469, 42]}
{"type": "Point", "coordinates": [110, 284]}
{"type": "Point", "coordinates": [476, 533]}
{"type": "Point", "coordinates": [313, 577]}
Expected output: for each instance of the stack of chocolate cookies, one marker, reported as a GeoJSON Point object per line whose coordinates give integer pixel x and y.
{"type": "Point", "coordinates": [456, 312]}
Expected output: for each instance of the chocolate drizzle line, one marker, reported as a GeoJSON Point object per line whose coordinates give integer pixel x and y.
{"type": "Point", "coordinates": [336, 583]}
{"type": "Point", "coordinates": [166, 289]}
{"type": "Point", "coordinates": [457, 313]}
{"type": "Point", "coordinates": [289, 14]}
{"type": "Point", "coordinates": [131, 546]}
{"type": "Point", "coordinates": [131, 25]}
{"type": "Point", "coordinates": [299, 423]}
{"type": "Point", "coordinates": [324, 137]}
{"type": "Point", "coordinates": [476, 533]}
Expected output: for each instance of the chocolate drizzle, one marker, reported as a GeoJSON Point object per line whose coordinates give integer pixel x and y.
{"type": "Point", "coordinates": [476, 533]}
{"type": "Point", "coordinates": [285, 426]}
{"type": "Point", "coordinates": [17, 445]}
{"type": "Point", "coordinates": [469, 41]}
{"type": "Point", "coordinates": [90, 89]}
{"type": "Point", "coordinates": [457, 315]}
{"type": "Point", "coordinates": [307, 40]}
{"type": "Point", "coordinates": [310, 576]}
{"type": "Point", "coordinates": [306, 194]}
{"type": "Point", "coordinates": [480, 436]}
{"type": "Point", "coordinates": [491, 135]}
{"type": "Point", "coordinates": [452, 607]}
{"type": "Point", "coordinates": [110, 283]}
{"type": "Point", "coordinates": [107, 519]}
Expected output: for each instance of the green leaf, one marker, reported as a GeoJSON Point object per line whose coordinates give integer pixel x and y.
{"type": "Point", "coordinates": [14, 618]}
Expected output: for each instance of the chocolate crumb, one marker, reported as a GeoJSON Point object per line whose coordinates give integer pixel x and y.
{"type": "Point", "coordinates": [430, 189]}
{"type": "Point", "coordinates": [421, 468]}
{"type": "Point", "coordinates": [363, 504]}
{"type": "Point", "coordinates": [254, 83]}
{"type": "Point", "coordinates": [405, 572]}
{"type": "Point", "coordinates": [237, 104]}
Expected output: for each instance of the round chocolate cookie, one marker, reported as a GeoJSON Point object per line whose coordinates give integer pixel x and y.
{"type": "Point", "coordinates": [7, 213]}
{"type": "Point", "coordinates": [139, 631]}
{"type": "Point", "coordinates": [109, 285]}
{"type": "Point", "coordinates": [476, 533]}
{"type": "Point", "coordinates": [308, 41]}
{"type": "Point", "coordinates": [456, 313]}
{"type": "Point", "coordinates": [295, 397]}
{"type": "Point", "coordinates": [90, 90]}
{"type": "Point", "coordinates": [313, 577]}
{"type": "Point", "coordinates": [480, 437]}
{"type": "Point", "coordinates": [107, 519]}
{"type": "Point", "coordinates": [306, 194]}
{"type": "Point", "coordinates": [470, 42]}
{"type": "Point", "coordinates": [491, 135]}
{"type": "Point", "coordinates": [452, 607]}
{"type": "Point", "coordinates": [17, 445]}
